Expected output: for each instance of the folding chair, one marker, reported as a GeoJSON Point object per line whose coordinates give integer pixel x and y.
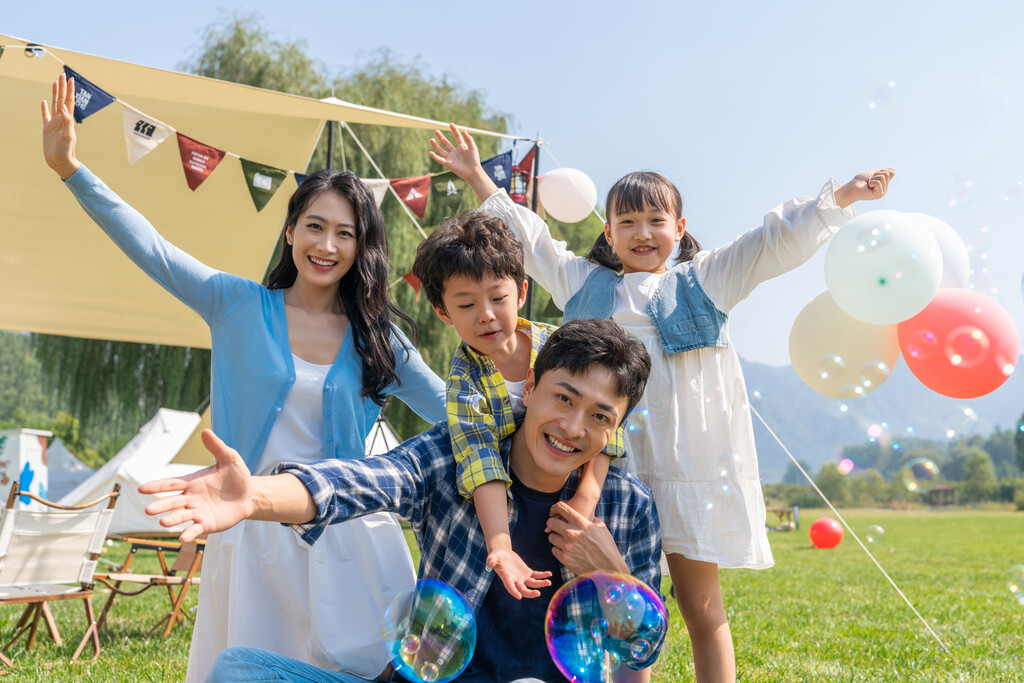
{"type": "Point", "coordinates": [41, 551]}
{"type": "Point", "coordinates": [182, 573]}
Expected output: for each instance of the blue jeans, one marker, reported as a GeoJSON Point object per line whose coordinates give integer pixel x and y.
{"type": "Point", "coordinates": [253, 665]}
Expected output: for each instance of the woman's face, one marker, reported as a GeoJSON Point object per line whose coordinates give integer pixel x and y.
{"type": "Point", "coordinates": [323, 240]}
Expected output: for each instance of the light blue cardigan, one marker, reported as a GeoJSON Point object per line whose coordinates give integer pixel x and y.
{"type": "Point", "coordinates": [252, 361]}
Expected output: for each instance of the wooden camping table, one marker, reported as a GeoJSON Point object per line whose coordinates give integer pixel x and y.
{"type": "Point", "coordinates": [784, 516]}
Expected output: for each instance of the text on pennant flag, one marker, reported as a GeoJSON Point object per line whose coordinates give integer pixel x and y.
{"type": "Point", "coordinates": [142, 133]}
{"type": "Point", "coordinates": [89, 98]}
{"type": "Point", "coordinates": [198, 159]}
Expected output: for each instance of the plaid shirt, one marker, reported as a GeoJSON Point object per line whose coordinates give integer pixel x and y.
{"type": "Point", "coordinates": [480, 412]}
{"type": "Point", "coordinates": [417, 481]}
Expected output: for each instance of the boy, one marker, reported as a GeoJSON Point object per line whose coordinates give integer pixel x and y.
{"type": "Point", "coordinates": [471, 269]}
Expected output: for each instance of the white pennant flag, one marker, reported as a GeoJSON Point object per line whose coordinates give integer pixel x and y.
{"type": "Point", "coordinates": [379, 188]}
{"type": "Point", "coordinates": [142, 133]}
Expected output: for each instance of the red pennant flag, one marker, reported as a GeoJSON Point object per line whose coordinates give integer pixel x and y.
{"type": "Point", "coordinates": [414, 282]}
{"type": "Point", "coordinates": [413, 191]}
{"type": "Point", "coordinates": [198, 159]}
{"type": "Point", "coordinates": [522, 179]}
{"type": "Point", "coordinates": [526, 163]}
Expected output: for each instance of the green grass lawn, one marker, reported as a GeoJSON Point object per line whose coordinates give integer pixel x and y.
{"type": "Point", "coordinates": [818, 615]}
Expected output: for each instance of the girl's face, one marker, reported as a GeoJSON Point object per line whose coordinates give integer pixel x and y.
{"type": "Point", "coordinates": [644, 240]}
{"type": "Point", "coordinates": [323, 240]}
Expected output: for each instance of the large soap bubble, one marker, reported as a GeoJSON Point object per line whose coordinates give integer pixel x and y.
{"type": "Point", "coordinates": [883, 267]}
{"type": "Point", "coordinates": [430, 631]}
{"type": "Point", "coordinates": [600, 621]}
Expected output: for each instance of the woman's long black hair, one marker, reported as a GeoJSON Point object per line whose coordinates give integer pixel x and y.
{"type": "Point", "coordinates": [363, 291]}
{"type": "Point", "coordinates": [636, 192]}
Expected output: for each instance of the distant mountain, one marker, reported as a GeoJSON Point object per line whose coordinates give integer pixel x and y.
{"type": "Point", "coordinates": [815, 428]}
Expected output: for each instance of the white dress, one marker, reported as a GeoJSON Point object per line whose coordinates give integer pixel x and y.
{"type": "Point", "coordinates": [694, 445]}
{"type": "Point", "coordinates": [330, 597]}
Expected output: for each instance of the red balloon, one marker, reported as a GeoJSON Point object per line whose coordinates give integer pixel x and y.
{"type": "Point", "coordinates": [962, 345]}
{"type": "Point", "coordinates": [826, 533]}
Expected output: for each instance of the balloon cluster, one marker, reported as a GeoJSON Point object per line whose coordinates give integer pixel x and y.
{"type": "Point", "coordinates": [601, 621]}
{"type": "Point", "coordinates": [896, 284]}
{"type": "Point", "coordinates": [430, 631]}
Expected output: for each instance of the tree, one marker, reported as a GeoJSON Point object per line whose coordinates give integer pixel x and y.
{"type": "Point", "coordinates": [979, 480]}
{"type": "Point", "coordinates": [1018, 443]}
{"type": "Point", "coordinates": [833, 483]}
{"type": "Point", "coordinates": [793, 475]}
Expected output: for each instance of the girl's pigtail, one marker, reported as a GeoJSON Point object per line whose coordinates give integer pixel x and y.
{"type": "Point", "coordinates": [603, 254]}
{"type": "Point", "coordinates": [688, 248]}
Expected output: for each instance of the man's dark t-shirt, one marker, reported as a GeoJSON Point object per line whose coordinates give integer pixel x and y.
{"type": "Point", "coordinates": [510, 633]}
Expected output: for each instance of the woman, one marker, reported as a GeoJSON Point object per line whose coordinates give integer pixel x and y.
{"type": "Point", "coordinates": [300, 371]}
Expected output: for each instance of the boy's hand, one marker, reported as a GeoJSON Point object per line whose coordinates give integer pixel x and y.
{"type": "Point", "coordinates": [463, 159]}
{"type": "Point", "coordinates": [520, 581]}
{"type": "Point", "coordinates": [864, 186]}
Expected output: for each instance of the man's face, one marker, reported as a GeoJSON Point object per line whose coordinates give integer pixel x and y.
{"type": "Point", "coordinates": [569, 420]}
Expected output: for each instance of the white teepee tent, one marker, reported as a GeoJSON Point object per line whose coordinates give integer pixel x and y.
{"type": "Point", "coordinates": [66, 471]}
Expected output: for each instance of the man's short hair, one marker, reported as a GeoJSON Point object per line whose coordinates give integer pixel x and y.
{"type": "Point", "coordinates": [470, 243]}
{"type": "Point", "coordinates": [579, 344]}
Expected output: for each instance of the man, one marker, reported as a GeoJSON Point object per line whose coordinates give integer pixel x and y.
{"type": "Point", "coordinates": [585, 380]}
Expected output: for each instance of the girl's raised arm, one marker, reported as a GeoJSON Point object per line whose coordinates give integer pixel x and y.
{"type": "Point", "coordinates": [463, 159]}
{"type": "Point", "coordinates": [59, 129]}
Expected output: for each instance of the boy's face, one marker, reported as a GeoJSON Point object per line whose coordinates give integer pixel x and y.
{"type": "Point", "coordinates": [569, 420]}
{"type": "Point", "coordinates": [483, 312]}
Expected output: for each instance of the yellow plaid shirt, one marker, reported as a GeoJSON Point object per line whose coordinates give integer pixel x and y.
{"type": "Point", "coordinates": [480, 412]}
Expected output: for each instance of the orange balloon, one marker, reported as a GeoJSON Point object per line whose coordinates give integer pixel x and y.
{"type": "Point", "coordinates": [962, 345]}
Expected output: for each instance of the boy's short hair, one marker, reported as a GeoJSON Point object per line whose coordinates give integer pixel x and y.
{"type": "Point", "coordinates": [470, 243]}
{"type": "Point", "coordinates": [579, 344]}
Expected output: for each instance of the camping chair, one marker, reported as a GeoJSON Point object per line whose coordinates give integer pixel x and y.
{"type": "Point", "coordinates": [187, 562]}
{"type": "Point", "coordinates": [41, 551]}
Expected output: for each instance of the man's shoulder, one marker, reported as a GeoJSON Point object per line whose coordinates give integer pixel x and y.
{"type": "Point", "coordinates": [622, 485]}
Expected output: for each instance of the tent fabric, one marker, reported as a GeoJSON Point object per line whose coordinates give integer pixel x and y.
{"type": "Point", "coordinates": [65, 470]}
{"type": "Point", "coordinates": [61, 274]}
{"type": "Point", "coordinates": [147, 456]}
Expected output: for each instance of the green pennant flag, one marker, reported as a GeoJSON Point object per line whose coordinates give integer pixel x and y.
{"type": "Point", "coordinates": [262, 181]}
{"type": "Point", "coordinates": [1, 51]}
{"type": "Point", "coordinates": [449, 194]}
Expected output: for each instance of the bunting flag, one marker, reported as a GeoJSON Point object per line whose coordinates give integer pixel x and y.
{"type": "Point", "coordinates": [262, 180]}
{"type": "Point", "coordinates": [522, 178]}
{"type": "Point", "coordinates": [89, 98]}
{"type": "Point", "coordinates": [198, 160]}
{"type": "Point", "coordinates": [499, 169]}
{"type": "Point", "coordinates": [379, 188]}
{"type": "Point", "coordinates": [414, 282]}
{"type": "Point", "coordinates": [142, 133]}
{"type": "Point", "coordinates": [300, 178]}
{"type": "Point", "coordinates": [413, 191]}
{"type": "Point", "coordinates": [446, 194]}
{"type": "Point", "coordinates": [1, 51]}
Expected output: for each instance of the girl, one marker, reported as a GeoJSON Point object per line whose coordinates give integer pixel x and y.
{"type": "Point", "coordinates": [699, 462]}
{"type": "Point", "coordinates": [300, 371]}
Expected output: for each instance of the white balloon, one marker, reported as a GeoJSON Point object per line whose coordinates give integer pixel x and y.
{"type": "Point", "coordinates": [840, 356]}
{"type": "Point", "coordinates": [956, 265]}
{"type": "Point", "coordinates": [567, 194]}
{"type": "Point", "coordinates": [883, 267]}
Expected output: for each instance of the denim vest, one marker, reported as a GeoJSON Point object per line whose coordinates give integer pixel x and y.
{"type": "Point", "coordinates": [684, 316]}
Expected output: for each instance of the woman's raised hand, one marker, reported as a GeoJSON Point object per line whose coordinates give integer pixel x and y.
{"type": "Point", "coordinates": [864, 186]}
{"type": "Point", "coordinates": [59, 129]}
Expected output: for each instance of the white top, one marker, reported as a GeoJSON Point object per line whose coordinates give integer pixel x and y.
{"type": "Point", "coordinates": [515, 395]}
{"type": "Point", "coordinates": [691, 438]}
{"type": "Point", "coordinates": [321, 604]}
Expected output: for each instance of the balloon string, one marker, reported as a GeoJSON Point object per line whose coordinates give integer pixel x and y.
{"type": "Point", "coordinates": [854, 534]}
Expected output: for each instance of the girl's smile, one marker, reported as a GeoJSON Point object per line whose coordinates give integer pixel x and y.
{"type": "Point", "coordinates": [644, 240]}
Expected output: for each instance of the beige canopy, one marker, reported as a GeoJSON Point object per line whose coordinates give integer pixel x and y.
{"type": "Point", "coordinates": [60, 275]}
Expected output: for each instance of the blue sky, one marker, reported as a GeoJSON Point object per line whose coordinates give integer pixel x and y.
{"type": "Point", "coordinates": [742, 105]}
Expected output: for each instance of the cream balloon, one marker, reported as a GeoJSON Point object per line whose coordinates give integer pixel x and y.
{"type": "Point", "coordinates": [837, 355]}
{"type": "Point", "coordinates": [883, 267]}
{"type": "Point", "coordinates": [956, 265]}
{"type": "Point", "coordinates": [567, 194]}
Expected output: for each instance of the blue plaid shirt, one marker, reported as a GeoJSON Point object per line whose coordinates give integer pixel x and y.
{"type": "Point", "coordinates": [417, 481]}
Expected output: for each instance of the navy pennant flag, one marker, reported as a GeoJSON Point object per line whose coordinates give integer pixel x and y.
{"type": "Point", "coordinates": [499, 168]}
{"type": "Point", "coordinates": [300, 177]}
{"type": "Point", "coordinates": [89, 98]}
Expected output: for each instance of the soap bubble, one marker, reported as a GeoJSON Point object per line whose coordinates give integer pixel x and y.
{"type": "Point", "coordinates": [600, 621]}
{"type": "Point", "coordinates": [1015, 582]}
{"type": "Point", "coordinates": [919, 473]}
{"type": "Point", "coordinates": [430, 631]}
{"type": "Point", "coordinates": [1014, 190]}
{"type": "Point", "coordinates": [882, 96]}
{"type": "Point", "coordinates": [875, 533]}
{"type": "Point", "coordinates": [638, 421]}
{"type": "Point", "coordinates": [960, 422]}
{"type": "Point", "coordinates": [845, 466]}
{"type": "Point", "coordinates": [961, 191]}
{"type": "Point", "coordinates": [829, 366]}
{"type": "Point", "coordinates": [874, 373]}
